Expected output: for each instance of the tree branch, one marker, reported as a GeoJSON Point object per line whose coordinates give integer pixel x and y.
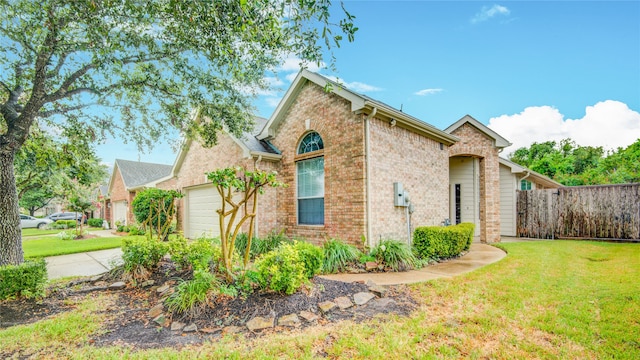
{"type": "Point", "coordinates": [45, 114]}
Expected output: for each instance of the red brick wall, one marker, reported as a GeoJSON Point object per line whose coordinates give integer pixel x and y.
{"type": "Point", "coordinates": [343, 138]}
{"type": "Point", "coordinates": [399, 155]}
{"type": "Point", "coordinates": [118, 192]}
{"type": "Point", "coordinates": [475, 143]}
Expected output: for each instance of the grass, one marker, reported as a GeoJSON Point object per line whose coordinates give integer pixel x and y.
{"type": "Point", "coordinates": [52, 246]}
{"type": "Point", "coordinates": [546, 299]}
{"type": "Point", "coordinates": [38, 232]}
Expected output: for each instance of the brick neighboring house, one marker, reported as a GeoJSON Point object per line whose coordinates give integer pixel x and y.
{"type": "Point", "coordinates": [350, 161]}
{"type": "Point", "coordinates": [127, 178]}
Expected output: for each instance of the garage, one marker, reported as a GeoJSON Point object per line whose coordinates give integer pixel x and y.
{"type": "Point", "coordinates": [119, 212]}
{"type": "Point", "coordinates": [200, 215]}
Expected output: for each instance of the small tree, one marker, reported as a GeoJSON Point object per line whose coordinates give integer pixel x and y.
{"type": "Point", "coordinates": [251, 183]}
{"type": "Point", "coordinates": [155, 210]}
{"type": "Point", "coordinates": [79, 205]}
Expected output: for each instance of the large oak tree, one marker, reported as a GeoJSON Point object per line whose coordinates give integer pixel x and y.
{"type": "Point", "coordinates": [135, 68]}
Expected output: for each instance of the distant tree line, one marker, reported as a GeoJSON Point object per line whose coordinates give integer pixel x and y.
{"type": "Point", "coordinates": [573, 165]}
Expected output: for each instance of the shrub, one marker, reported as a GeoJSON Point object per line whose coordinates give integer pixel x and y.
{"type": "Point", "coordinates": [281, 270]}
{"type": "Point", "coordinates": [271, 242]}
{"type": "Point", "coordinates": [241, 245]}
{"type": "Point", "coordinates": [191, 295]}
{"type": "Point", "coordinates": [141, 255]}
{"type": "Point", "coordinates": [311, 256]}
{"type": "Point", "coordinates": [154, 209]}
{"type": "Point", "coordinates": [64, 224]}
{"type": "Point", "coordinates": [197, 254]}
{"type": "Point", "coordinates": [338, 255]}
{"type": "Point", "coordinates": [443, 242]}
{"type": "Point", "coordinates": [395, 254]}
{"type": "Point", "coordinates": [27, 279]}
{"type": "Point", "coordinates": [122, 228]}
{"type": "Point", "coordinates": [95, 222]}
{"type": "Point", "coordinates": [65, 235]}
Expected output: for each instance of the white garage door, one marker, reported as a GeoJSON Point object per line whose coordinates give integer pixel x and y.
{"type": "Point", "coordinates": [201, 215]}
{"type": "Point", "coordinates": [119, 213]}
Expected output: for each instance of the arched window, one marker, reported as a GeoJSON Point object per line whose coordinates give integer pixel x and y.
{"type": "Point", "coordinates": [310, 176]}
{"type": "Point", "coordinates": [311, 142]}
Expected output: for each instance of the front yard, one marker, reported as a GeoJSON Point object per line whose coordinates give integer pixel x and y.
{"type": "Point", "coordinates": [546, 299]}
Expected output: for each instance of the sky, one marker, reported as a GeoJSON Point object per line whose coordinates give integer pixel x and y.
{"type": "Point", "coordinates": [531, 71]}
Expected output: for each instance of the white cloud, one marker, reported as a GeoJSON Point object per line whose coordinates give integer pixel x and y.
{"type": "Point", "coordinates": [425, 92]}
{"type": "Point", "coordinates": [354, 85]}
{"type": "Point", "coordinates": [610, 124]}
{"type": "Point", "coordinates": [487, 13]}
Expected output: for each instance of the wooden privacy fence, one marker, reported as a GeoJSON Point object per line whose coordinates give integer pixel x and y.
{"type": "Point", "coordinates": [587, 212]}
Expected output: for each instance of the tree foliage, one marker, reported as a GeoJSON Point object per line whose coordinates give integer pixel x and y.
{"type": "Point", "coordinates": [571, 164]}
{"type": "Point", "coordinates": [239, 190]}
{"type": "Point", "coordinates": [48, 167]}
{"type": "Point", "coordinates": [155, 209]}
{"type": "Point", "coordinates": [91, 68]}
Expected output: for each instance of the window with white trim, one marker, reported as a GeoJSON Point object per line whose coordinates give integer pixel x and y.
{"type": "Point", "coordinates": [310, 181]}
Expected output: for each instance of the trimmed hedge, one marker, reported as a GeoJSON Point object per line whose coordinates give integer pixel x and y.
{"type": "Point", "coordinates": [443, 242]}
{"type": "Point", "coordinates": [95, 222]}
{"type": "Point", "coordinates": [64, 224]}
{"type": "Point", "coordinates": [27, 279]}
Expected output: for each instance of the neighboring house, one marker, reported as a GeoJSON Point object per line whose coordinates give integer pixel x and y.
{"type": "Point", "coordinates": [350, 162]}
{"type": "Point", "coordinates": [516, 177]}
{"type": "Point", "coordinates": [127, 178]}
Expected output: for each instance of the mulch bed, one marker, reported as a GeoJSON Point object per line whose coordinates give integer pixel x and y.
{"type": "Point", "coordinates": [130, 324]}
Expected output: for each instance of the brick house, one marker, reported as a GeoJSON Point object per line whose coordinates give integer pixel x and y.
{"type": "Point", "coordinates": [356, 169]}
{"type": "Point", "coordinates": [127, 178]}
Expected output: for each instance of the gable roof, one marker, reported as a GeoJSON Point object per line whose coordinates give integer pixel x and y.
{"type": "Point", "coordinates": [249, 143]}
{"type": "Point", "coordinates": [136, 174]}
{"type": "Point", "coordinates": [498, 140]}
{"type": "Point", "coordinates": [529, 174]}
{"type": "Point", "coordinates": [359, 104]}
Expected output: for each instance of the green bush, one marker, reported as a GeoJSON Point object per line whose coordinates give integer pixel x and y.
{"type": "Point", "coordinates": [141, 255]}
{"type": "Point", "coordinates": [198, 254]}
{"type": "Point", "coordinates": [191, 295]}
{"type": "Point", "coordinates": [27, 279]}
{"type": "Point", "coordinates": [65, 235]}
{"type": "Point", "coordinates": [395, 254]}
{"type": "Point", "coordinates": [281, 270]}
{"type": "Point", "coordinates": [443, 242]}
{"type": "Point", "coordinates": [311, 256]}
{"type": "Point", "coordinates": [338, 255]}
{"type": "Point", "coordinates": [64, 224]}
{"type": "Point", "coordinates": [95, 222]}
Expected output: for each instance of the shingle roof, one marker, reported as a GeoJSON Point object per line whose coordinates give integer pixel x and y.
{"type": "Point", "coordinates": [251, 142]}
{"type": "Point", "coordinates": [136, 173]}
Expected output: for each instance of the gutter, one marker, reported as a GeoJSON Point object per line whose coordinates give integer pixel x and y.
{"type": "Point", "coordinates": [367, 157]}
{"type": "Point", "coordinates": [416, 124]}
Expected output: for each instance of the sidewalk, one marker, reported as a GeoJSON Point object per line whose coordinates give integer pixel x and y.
{"type": "Point", "coordinates": [84, 264]}
{"type": "Point", "coordinates": [478, 256]}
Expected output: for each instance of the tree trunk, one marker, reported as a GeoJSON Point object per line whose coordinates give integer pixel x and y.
{"type": "Point", "coordinates": [10, 232]}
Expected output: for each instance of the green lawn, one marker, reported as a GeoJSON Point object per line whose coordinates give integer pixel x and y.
{"type": "Point", "coordinates": [51, 245]}
{"type": "Point", "coordinates": [38, 232]}
{"type": "Point", "coordinates": [546, 299]}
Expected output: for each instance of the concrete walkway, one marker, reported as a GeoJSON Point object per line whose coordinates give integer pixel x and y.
{"type": "Point", "coordinates": [478, 256]}
{"type": "Point", "coordinates": [97, 262]}
{"type": "Point", "coordinates": [85, 264]}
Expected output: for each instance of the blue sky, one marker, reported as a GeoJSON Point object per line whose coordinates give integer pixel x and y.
{"type": "Point", "coordinates": [532, 71]}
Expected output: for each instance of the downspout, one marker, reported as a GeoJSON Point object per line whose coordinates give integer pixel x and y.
{"type": "Point", "coordinates": [367, 157]}
{"type": "Point", "coordinates": [256, 222]}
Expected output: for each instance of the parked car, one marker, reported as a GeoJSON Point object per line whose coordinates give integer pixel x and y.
{"type": "Point", "coordinates": [27, 221]}
{"type": "Point", "coordinates": [66, 216]}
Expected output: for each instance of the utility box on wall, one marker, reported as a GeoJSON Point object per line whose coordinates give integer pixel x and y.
{"type": "Point", "coordinates": [401, 197]}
